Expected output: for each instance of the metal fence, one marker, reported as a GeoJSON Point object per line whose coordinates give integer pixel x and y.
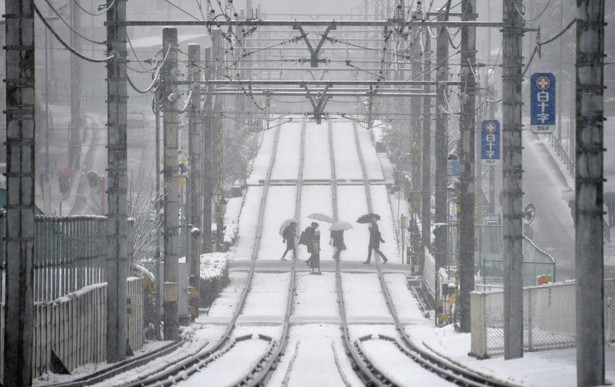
{"type": "Point", "coordinates": [561, 152]}
{"type": "Point", "coordinates": [549, 318]}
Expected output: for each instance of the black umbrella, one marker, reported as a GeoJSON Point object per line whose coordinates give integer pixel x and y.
{"type": "Point", "coordinates": [367, 218]}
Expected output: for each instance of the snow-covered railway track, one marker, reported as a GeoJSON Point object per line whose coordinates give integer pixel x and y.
{"type": "Point", "coordinates": [230, 341]}
{"type": "Point", "coordinates": [429, 361]}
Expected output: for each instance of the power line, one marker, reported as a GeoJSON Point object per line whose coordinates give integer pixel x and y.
{"type": "Point", "coordinates": [102, 10]}
{"type": "Point", "coordinates": [66, 45]}
{"type": "Point", "coordinates": [71, 27]}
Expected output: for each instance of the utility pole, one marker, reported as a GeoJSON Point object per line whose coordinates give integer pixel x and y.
{"type": "Point", "coordinates": [441, 145]}
{"type": "Point", "coordinates": [117, 187]}
{"type": "Point", "coordinates": [512, 183]}
{"type": "Point", "coordinates": [207, 159]}
{"type": "Point", "coordinates": [589, 180]}
{"type": "Point", "coordinates": [74, 154]}
{"type": "Point", "coordinates": [169, 74]}
{"type": "Point", "coordinates": [415, 136]}
{"type": "Point", "coordinates": [426, 149]}
{"type": "Point", "coordinates": [158, 213]}
{"type": "Point", "coordinates": [194, 158]}
{"type": "Point", "coordinates": [466, 163]}
{"type": "Point", "coordinates": [20, 125]}
{"type": "Point", "coordinates": [217, 139]}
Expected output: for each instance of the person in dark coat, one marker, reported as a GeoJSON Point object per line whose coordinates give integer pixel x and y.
{"type": "Point", "coordinates": [308, 238]}
{"type": "Point", "coordinates": [289, 234]}
{"type": "Point", "coordinates": [374, 242]}
{"type": "Point", "coordinates": [338, 242]}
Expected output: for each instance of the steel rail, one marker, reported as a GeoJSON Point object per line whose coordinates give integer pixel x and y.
{"type": "Point", "coordinates": [444, 369]}
{"type": "Point", "coordinates": [192, 363]}
{"type": "Point", "coordinates": [266, 369]}
{"type": "Point", "coordinates": [322, 83]}
{"type": "Point", "coordinates": [273, 92]}
{"type": "Point", "coordinates": [362, 366]}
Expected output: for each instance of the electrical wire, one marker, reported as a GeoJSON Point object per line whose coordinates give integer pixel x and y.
{"type": "Point", "coordinates": [102, 11]}
{"type": "Point", "coordinates": [71, 27]}
{"type": "Point", "coordinates": [66, 45]}
{"type": "Point", "coordinates": [183, 10]}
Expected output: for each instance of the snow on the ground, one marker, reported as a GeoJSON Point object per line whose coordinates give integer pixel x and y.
{"type": "Point", "coordinates": [225, 304]}
{"type": "Point", "coordinates": [316, 199]}
{"type": "Point", "coordinates": [397, 367]}
{"type": "Point", "coordinates": [248, 223]}
{"type": "Point", "coordinates": [351, 205]}
{"type": "Point", "coordinates": [372, 164]}
{"type": "Point", "coordinates": [263, 158]}
{"type": "Point", "coordinates": [213, 264]}
{"type": "Point", "coordinates": [382, 207]}
{"type": "Point", "coordinates": [280, 205]}
{"type": "Point", "coordinates": [363, 298]}
{"type": "Point", "coordinates": [312, 350]}
{"type": "Point", "coordinates": [268, 295]}
{"type": "Point", "coordinates": [317, 164]}
{"type": "Point", "coordinates": [316, 298]}
{"type": "Point", "coordinates": [286, 164]}
{"type": "Point", "coordinates": [346, 159]}
{"type": "Point", "coordinates": [240, 358]}
{"type": "Point", "coordinates": [403, 301]}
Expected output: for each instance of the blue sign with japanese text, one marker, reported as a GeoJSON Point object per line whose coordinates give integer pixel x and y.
{"type": "Point", "coordinates": [542, 110]}
{"type": "Point", "coordinates": [490, 142]}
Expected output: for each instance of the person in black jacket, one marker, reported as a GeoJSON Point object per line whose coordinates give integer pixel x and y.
{"type": "Point", "coordinates": [308, 238]}
{"type": "Point", "coordinates": [289, 234]}
{"type": "Point", "coordinates": [374, 242]}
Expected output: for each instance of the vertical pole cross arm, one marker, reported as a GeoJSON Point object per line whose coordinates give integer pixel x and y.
{"type": "Point", "coordinates": [315, 51]}
{"type": "Point", "coordinates": [318, 102]}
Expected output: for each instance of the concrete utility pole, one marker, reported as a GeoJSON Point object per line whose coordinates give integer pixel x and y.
{"type": "Point", "coordinates": [512, 172]}
{"type": "Point", "coordinates": [207, 126]}
{"type": "Point", "coordinates": [441, 144]}
{"type": "Point", "coordinates": [589, 178]}
{"type": "Point", "coordinates": [426, 148]}
{"type": "Point", "coordinates": [466, 163]}
{"type": "Point", "coordinates": [217, 138]}
{"type": "Point", "coordinates": [20, 174]}
{"type": "Point", "coordinates": [415, 134]}
{"type": "Point", "coordinates": [169, 74]}
{"type": "Point", "coordinates": [117, 186]}
{"type": "Point", "coordinates": [76, 124]}
{"type": "Point", "coordinates": [196, 164]}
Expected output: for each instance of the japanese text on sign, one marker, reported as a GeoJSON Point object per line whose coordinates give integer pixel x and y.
{"type": "Point", "coordinates": [543, 103]}
{"type": "Point", "coordinates": [490, 142]}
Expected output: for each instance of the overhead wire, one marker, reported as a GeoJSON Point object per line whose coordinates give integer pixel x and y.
{"type": "Point", "coordinates": [101, 10]}
{"type": "Point", "coordinates": [66, 45]}
{"type": "Point", "coordinates": [70, 26]}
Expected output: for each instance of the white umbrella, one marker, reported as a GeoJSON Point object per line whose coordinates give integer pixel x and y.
{"type": "Point", "coordinates": [341, 226]}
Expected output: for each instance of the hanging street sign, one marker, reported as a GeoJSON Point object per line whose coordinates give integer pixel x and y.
{"type": "Point", "coordinates": [490, 142]}
{"type": "Point", "coordinates": [542, 103]}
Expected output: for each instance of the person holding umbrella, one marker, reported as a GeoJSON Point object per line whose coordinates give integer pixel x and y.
{"type": "Point", "coordinates": [288, 235]}
{"type": "Point", "coordinates": [374, 242]}
{"type": "Point", "coordinates": [337, 237]}
{"type": "Point", "coordinates": [308, 237]}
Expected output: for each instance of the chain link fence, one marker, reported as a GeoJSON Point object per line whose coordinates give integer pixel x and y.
{"type": "Point", "coordinates": [549, 318]}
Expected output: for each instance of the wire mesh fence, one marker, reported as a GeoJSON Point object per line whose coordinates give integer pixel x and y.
{"type": "Point", "coordinates": [549, 318]}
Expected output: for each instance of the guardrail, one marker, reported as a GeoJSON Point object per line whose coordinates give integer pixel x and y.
{"type": "Point", "coordinates": [561, 152]}
{"type": "Point", "coordinates": [549, 319]}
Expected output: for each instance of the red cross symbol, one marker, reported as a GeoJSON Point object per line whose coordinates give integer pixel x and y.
{"type": "Point", "coordinates": [543, 83]}
{"type": "Point", "coordinates": [490, 127]}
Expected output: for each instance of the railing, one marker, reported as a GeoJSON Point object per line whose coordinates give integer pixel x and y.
{"type": "Point", "coordinates": [549, 318]}
{"type": "Point", "coordinates": [561, 152]}
{"type": "Point", "coordinates": [69, 254]}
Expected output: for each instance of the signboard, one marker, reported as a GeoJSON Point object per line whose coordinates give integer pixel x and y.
{"type": "Point", "coordinates": [490, 142]}
{"type": "Point", "coordinates": [542, 110]}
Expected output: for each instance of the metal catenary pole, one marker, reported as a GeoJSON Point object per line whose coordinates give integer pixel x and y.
{"type": "Point", "coordinates": [20, 127]}
{"type": "Point", "coordinates": [466, 164]}
{"type": "Point", "coordinates": [74, 155]}
{"type": "Point", "coordinates": [207, 125]}
{"type": "Point", "coordinates": [441, 146]}
{"type": "Point", "coordinates": [512, 172]}
{"type": "Point", "coordinates": [426, 149]}
{"type": "Point", "coordinates": [589, 178]}
{"type": "Point", "coordinates": [117, 186]}
{"type": "Point", "coordinates": [169, 74]}
{"type": "Point", "coordinates": [217, 139]}
{"type": "Point", "coordinates": [196, 164]}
